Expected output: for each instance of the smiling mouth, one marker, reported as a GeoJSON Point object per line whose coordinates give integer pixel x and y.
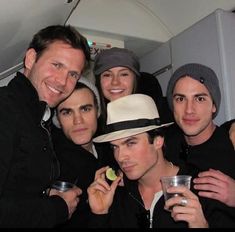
{"type": "Point", "coordinates": [116, 91]}
{"type": "Point", "coordinates": [54, 90]}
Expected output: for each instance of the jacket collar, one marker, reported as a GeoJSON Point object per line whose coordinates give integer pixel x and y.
{"type": "Point", "coordinates": [132, 187]}
{"type": "Point", "coordinates": [27, 95]}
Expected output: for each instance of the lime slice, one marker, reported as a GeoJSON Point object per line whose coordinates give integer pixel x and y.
{"type": "Point", "coordinates": [110, 174]}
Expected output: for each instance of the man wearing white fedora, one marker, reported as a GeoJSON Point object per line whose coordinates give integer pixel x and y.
{"type": "Point", "coordinates": [136, 135]}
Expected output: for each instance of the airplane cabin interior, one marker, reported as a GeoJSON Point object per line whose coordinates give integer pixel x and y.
{"type": "Point", "coordinates": [163, 33]}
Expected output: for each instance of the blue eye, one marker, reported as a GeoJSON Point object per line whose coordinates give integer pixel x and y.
{"type": "Point", "coordinates": [74, 75]}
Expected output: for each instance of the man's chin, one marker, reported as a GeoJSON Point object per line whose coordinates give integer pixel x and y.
{"type": "Point", "coordinates": [82, 142]}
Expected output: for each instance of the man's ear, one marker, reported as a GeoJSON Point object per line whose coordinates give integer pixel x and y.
{"type": "Point", "coordinates": [30, 58]}
{"type": "Point", "coordinates": [214, 108]}
{"type": "Point", "coordinates": [158, 142]}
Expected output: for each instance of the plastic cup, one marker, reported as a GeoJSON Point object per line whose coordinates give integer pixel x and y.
{"type": "Point", "coordinates": [62, 186]}
{"type": "Point", "coordinates": [170, 181]}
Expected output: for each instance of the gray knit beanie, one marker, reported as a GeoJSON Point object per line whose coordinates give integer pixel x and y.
{"type": "Point", "coordinates": [115, 57]}
{"type": "Point", "coordinates": [201, 73]}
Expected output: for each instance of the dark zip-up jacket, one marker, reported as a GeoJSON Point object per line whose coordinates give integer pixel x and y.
{"type": "Point", "coordinates": [217, 152]}
{"type": "Point", "coordinates": [79, 165]}
{"type": "Point", "coordinates": [27, 161]}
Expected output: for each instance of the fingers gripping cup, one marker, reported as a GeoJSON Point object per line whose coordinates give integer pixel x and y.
{"type": "Point", "coordinates": [170, 181]}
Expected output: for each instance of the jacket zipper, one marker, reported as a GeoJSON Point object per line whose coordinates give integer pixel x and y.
{"type": "Point", "coordinates": [55, 168]}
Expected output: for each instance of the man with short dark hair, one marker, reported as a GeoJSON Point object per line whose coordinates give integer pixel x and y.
{"type": "Point", "coordinates": [53, 64]}
{"type": "Point", "coordinates": [75, 125]}
{"type": "Point", "coordinates": [136, 134]}
{"type": "Point", "coordinates": [194, 96]}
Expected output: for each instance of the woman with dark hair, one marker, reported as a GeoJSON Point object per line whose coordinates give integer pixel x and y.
{"type": "Point", "coordinates": [117, 74]}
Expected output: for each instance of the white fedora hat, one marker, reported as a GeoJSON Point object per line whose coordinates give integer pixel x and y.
{"type": "Point", "coordinates": [130, 115]}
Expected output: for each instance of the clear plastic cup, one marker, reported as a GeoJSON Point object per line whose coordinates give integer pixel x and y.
{"type": "Point", "coordinates": [62, 186]}
{"type": "Point", "coordinates": [170, 181]}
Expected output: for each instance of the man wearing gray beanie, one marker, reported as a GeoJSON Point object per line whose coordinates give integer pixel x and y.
{"type": "Point", "coordinates": [201, 73]}
{"type": "Point", "coordinates": [194, 96]}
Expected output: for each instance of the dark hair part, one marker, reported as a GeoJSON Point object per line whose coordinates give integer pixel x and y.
{"type": "Point", "coordinates": [64, 33]}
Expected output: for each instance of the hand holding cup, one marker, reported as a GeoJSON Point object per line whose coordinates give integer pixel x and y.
{"type": "Point", "coordinates": [69, 192]}
{"type": "Point", "coordinates": [175, 181]}
{"type": "Point", "coordinates": [183, 204]}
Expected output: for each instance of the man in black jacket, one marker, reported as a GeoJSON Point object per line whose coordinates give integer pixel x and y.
{"type": "Point", "coordinates": [75, 125]}
{"type": "Point", "coordinates": [53, 63]}
{"type": "Point", "coordinates": [136, 134]}
{"type": "Point", "coordinates": [194, 96]}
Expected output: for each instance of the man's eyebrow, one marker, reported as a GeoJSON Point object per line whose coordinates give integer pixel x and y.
{"type": "Point", "coordinates": [86, 105]}
{"type": "Point", "coordinates": [129, 139]}
{"type": "Point", "coordinates": [201, 94]}
{"type": "Point", "coordinates": [195, 95]}
{"type": "Point", "coordinates": [178, 94]}
{"type": "Point", "coordinates": [125, 141]}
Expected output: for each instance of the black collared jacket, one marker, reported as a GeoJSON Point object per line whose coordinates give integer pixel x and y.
{"type": "Point", "coordinates": [79, 165]}
{"type": "Point", "coordinates": [27, 161]}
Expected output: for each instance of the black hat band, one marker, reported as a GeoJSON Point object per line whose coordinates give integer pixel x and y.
{"type": "Point", "coordinates": [131, 124]}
